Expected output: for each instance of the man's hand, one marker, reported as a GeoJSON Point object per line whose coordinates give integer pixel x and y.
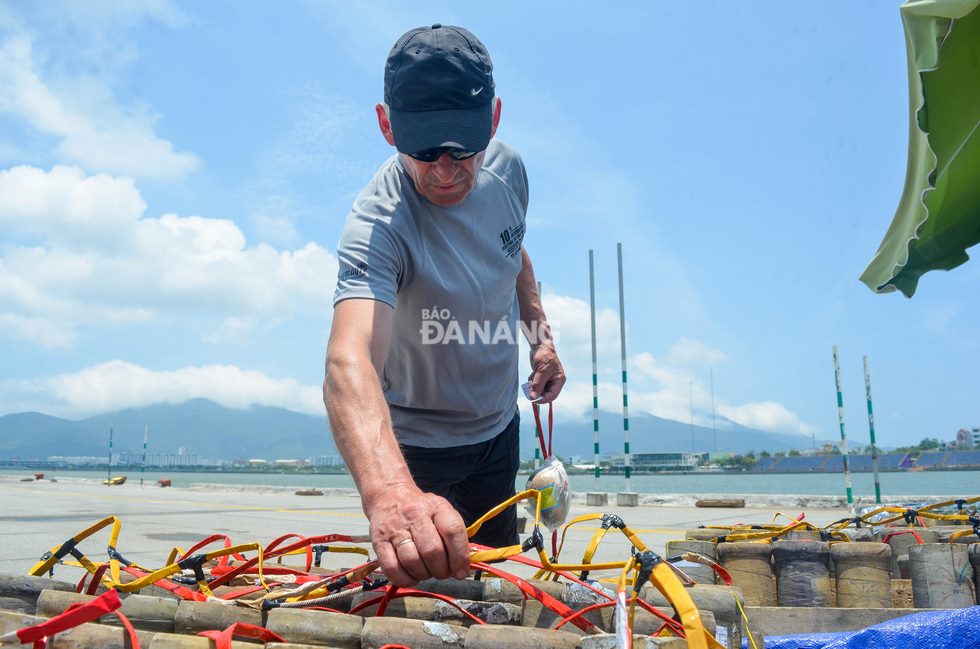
{"type": "Point", "coordinates": [547, 375]}
{"type": "Point", "coordinates": [418, 535]}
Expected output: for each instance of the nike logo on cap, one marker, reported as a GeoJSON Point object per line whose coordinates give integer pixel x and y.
{"type": "Point", "coordinates": [475, 91]}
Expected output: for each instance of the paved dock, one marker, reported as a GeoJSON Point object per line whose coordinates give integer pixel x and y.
{"type": "Point", "coordinates": [36, 516]}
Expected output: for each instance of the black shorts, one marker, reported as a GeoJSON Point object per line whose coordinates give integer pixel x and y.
{"type": "Point", "coordinates": [474, 478]}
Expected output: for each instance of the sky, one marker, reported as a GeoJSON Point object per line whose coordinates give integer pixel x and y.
{"type": "Point", "coordinates": [174, 177]}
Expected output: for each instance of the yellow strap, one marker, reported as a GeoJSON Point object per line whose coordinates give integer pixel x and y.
{"type": "Point", "coordinates": [745, 618]}
{"type": "Point", "coordinates": [667, 583]}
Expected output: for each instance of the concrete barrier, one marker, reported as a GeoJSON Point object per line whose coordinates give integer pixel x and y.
{"type": "Point", "coordinates": [417, 634]}
{"type": "Point", "coordinates": [785, 620]}
{"type": "Point", "coordinates": [720, 600]}
{"type": "Point", "coordinates": [194, 617]}
{"type": "Point", "coordinates": [84, 636]}
{"type": "Point", "coordinates": [802, 573]}
{"type": "Point", "coordinates": [172, 641]}
{"type": "Point", "coordinates": [698, 571]}
{"type": "Point", "coordinates": [27, 588]}
{"type": "Point", "coordinates": [749, 565]}
{"type": "Point", "coordinates": [316, 627]}
{"type": "Point", "coordinates": [597, 499]}
{"type": "Point", "coordinates": [609, 641]}
{"type": "Point", "coordinates": [863, 574]}
{"type": "Point", "coordinates": [457, 588]}
{"type": "Point", "coordinates": [495, 637]}
{"type": "Point", "coordinates": [941, 575]}
{"type": "Point", "coordinates": [627, 499]}
{"type": "Point", "coordinates": [144, 612]}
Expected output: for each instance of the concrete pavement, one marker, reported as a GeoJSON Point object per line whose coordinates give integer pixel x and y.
{"type": "Point", "coordinates": [36, 516]}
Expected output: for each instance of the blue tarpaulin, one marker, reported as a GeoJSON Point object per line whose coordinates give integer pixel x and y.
{"type": "Point", "coordinates": [956, 629]}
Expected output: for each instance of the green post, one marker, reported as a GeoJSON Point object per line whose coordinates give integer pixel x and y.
{"type": "Point", "coordinates": [622, 340]}
{"type": "Point", "coordinates": [595, 376]}
{"type": "Point", "coordinates": [108, 469]}
{"type": "Point", "coordinates": [146, 430]}
{"type": "Point", "coordinates": [871, 427]}
{"type": "Point", "coordinates": [843, 435]}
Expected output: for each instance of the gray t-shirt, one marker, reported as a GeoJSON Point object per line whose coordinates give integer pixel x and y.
{"type": "Point", "coordinates": [450, 377]}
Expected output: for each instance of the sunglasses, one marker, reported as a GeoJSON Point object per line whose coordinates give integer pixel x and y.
{"type": "Point", "coordinates": [431, 155]}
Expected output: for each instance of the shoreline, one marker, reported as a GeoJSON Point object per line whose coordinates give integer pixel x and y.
{"type": "Point", "coordinates": [686, 500]}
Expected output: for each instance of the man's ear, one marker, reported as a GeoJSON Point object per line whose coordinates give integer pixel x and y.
{"type": "Point", "coordinates": [385, 124]}
{"type": "Point", "coordinates": [496, 115]}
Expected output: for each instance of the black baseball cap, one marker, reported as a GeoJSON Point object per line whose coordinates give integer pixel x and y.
{"type": "Point", "coordinates": [439, 90]}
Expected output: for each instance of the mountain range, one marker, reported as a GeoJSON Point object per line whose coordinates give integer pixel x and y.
{"type": "Point", "coordinates": [209, 430]}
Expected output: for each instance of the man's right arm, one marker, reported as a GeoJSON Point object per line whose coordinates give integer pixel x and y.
{"type": "Point", "coordinates": [361, 423]}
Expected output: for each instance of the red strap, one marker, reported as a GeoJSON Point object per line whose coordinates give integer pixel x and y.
{"type": "Point", "coordinates": [72, 617]}
{"type": "Point", "coordinates": [383, 600]}
{"type": "Point", "coordinates": [530, 590]}
{"type": "Point", "coordinates": [175, 588]}
{"type": "Point", "coordinates": [551, 427]}
{"type": "Point", "coordinates": [271, 554]}
{"type": "Point", "coordinates": [222, 639]}
{"type": "Point", "coordinates": [721, 572]}
{"type": "Point", "coordinates": [133, 638]}
{"type": "Point", "coordinates": [222, 561]}
{"type": "Point", "coordinates": [546, 449]}
{"type": "Point", "coordinates": [899, 533]}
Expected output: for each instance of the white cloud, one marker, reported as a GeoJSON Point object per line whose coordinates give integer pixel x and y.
{"type": "Point", "coordinates": [116, 384]}
{"type": "Point", "coordinates": [766, 415]}
{"type": "Point", "coordinates": [36, 330]}
{"type": "Point", "coordinates": [689, 352]}
{"type": "Point", "coordinates": [100, 260]}
{"type": "Point", "coordinates": [64, 204]}
{"type": "Point", "coordinates": [98, 16]}
{"type": "Point", "coordinates": [92, 129]}
{"type": "Point", "coordinates": [232, 331]}
{"type": "Point", "coordinates": [665, 388]}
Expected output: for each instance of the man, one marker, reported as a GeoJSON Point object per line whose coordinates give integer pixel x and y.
{"type": "Point", "coordinates": [421, 369]}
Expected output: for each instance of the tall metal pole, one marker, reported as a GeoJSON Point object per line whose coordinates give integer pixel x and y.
{"type": "Point", "coordinates": [871, 426]}
{"type": "Point", "coordinates": [595, 375]}
{"type": "Point", "coordinates": [690, 390]}
{"type": "Point", "coordinates": [622, 342]}
{"type": "Point", "coordinates": [146, 431]}
{"type": "Point", "coordinates": [108, 469]}
{"type": "Point", "coordinates": [843, 435]}
{"type": "Point", "coordinates": [714, 431]}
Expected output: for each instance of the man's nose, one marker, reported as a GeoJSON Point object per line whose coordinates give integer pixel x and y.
{"type": "Point", "coordinates": [445, 167]}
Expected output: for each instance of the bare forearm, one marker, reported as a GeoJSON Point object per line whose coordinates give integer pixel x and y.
{"type": "Point", "coordinates": [529, 301]}
{"type": "Point", "coordinates": [361, 425]}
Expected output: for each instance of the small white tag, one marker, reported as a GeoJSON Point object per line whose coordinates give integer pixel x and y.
{"type": "Point", "coordinates": [527, 392]}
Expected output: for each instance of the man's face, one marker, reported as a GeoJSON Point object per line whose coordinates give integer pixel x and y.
{"type": "Point", "coordinates": [445, 182]}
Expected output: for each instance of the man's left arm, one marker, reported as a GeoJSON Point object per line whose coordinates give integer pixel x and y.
{"type": "Point", "coordinates": [547, 375]}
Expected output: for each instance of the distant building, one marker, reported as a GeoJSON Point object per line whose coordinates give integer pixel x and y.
{"type": "Point", "coordinates": [968, 438]}
{"type": "Point", "coordinates": [294, 464]}
{"type": "Point", "coordinates": [655, 462]}
{"type": "Point", "coordinates": [326, 460]}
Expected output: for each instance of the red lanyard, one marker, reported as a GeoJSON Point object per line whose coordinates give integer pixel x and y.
{"type": "Point", "coordinates": [545, 449]}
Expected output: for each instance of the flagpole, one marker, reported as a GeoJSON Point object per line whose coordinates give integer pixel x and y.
{"type": "Point", "coordinates": [714, 432]}
{"type": "Point", "coordinates": [871, 426]}
{"type": "Point", "coordinates": [843, 435]}
{"type": "Point", "coordinates": [108, 469]}
{"type": "Point", "coordinates": [146, 430]}
{"type": "Point", "coordinates": [622, 341]}
{"type": "Point", "coordinates": [690, 390]}
{"type": "Point", "coordinates": [595, 375]}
